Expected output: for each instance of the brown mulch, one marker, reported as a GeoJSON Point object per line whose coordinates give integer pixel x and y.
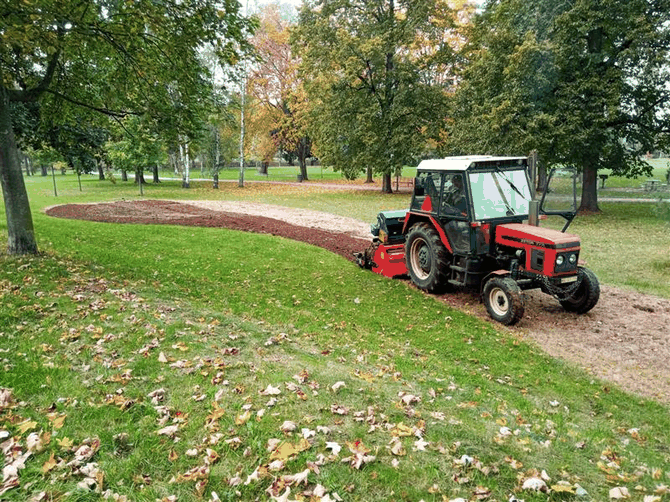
{"type": "Point", "coordinates": [160, 212]}
{"type": "Point", "coordinates": [625, 339]}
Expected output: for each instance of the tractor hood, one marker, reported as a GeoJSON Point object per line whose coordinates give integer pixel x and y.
{"type": "Point", "coordinates": [514, 234]}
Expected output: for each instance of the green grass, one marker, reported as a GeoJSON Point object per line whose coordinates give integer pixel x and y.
{"type": "Point", "coordinates": [276, 173]}
{"type": "Point", "coordinates": [110, 313]}
{"type": "Point", "coordinates": [620, 186]}
{"type": "Point", "coordinates": [628, 245]}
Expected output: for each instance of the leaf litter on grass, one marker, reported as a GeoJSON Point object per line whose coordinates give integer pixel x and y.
{"type": "Point", "coordinates": [167, 401]}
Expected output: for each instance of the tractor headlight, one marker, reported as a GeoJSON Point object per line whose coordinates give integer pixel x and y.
{"type": "Point", "coordinates": [560, 259]}
{"type": "Point", "coordinates": [573, 258]}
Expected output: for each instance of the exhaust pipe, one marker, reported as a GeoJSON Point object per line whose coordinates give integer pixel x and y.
{"type": "Point", "coordinates": [534, 213]}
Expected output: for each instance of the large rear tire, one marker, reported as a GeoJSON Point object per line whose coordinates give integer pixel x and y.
{"type": "Point", "coordinates": [586, 296]}
{"type": "Point", "coordinates": [427, 258]}
{"type": "Point", "coordinates": [504, 300]}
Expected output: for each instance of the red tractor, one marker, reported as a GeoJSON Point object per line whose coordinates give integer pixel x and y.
{"type": "Point", "coordinates": [469, 226]}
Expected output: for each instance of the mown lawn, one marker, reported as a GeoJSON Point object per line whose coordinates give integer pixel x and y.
{"type": "Point", "coordinates": [172, 363]}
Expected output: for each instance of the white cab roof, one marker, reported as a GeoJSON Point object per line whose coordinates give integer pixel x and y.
{"type": "Point", "coordinates": [460, 163]}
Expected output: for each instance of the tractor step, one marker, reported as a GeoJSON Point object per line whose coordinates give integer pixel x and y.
{"type": "Point", "coordinates": [465, 271]}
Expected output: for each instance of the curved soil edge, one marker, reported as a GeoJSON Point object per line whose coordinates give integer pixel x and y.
{"type": "Point", "coordinates": [624, 339]}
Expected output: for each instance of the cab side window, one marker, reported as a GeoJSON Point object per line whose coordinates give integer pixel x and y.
{"type": "Point", "coordinates": [453, 200]}
{"type": "Point", "coordinates": [426, 184]}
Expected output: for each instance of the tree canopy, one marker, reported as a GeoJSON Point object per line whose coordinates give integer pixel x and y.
{"type": "Point", "coordinates": [583, 82]}
{"type": "Point", "coordinates": [117, 58]}
{"type": "Point", "coordinates": [275, 84]}
{"type": "Point", "coordinates": [375, 96]}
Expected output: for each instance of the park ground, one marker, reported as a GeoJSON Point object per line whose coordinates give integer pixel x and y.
{"type": "Point", "coordinates": [182, 360]}
{"type": "Point", "coordinates": [624, 339]}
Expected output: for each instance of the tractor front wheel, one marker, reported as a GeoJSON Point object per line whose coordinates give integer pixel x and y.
{"type": "Point", "coordinates": [427, 258]}
{"type": "Point", "coordinates": [504, 300]}
{"type": "Point", "coordinates": [586, 296]}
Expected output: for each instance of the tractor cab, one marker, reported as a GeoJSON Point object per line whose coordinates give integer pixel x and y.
{"type": "Point", "coordinates": [467, 195]}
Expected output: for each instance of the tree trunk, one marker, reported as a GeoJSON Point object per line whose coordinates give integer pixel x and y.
{"type": "Point", "coordinates": [186, 180]}
{"type": "Point", "coordinates": [369, 178]}
{"type": "Point", "coordinates": [25, 160]}
{"type": "Point", "coordinates": [124, 175]}
{"type": "Point", "coordinates": [303, 151]}
{"type": "Point", "coordinates": [215, 183]}
{"type": "Point", "coordinates": [101, 172]}
{"type": "Point", "coordinates": [155, 173]}
{"type": "Point", "coordinates": [217, 154]}
{"type": "Point", "coordinates": [589, 190]}
{"type": "Point", "coordinates": [173, 157]}
{"type": "Point", "coordinates": [45, 170]}
{"type": "Point", "coordinates": [139, 176]}
{"type": "Point", "coordinates": [20, 231]}
{"type": "Point", "coordinates": [264, 168]}
{"type": "Point", "coordinates": [387, 187]}
{"type": "Point", "coordinates": [303, 168]}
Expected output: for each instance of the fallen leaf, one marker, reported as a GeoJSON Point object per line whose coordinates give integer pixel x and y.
{"type": "Point", "coordinates": [26, 425]}
{"type": "Point", "coordinates": [398, 450]}
{"type": "Point", "coordinates": [288, 426]}
{"type": "Point", "coordinates": [65, 443]}
{"type": "Point", "coordinates": [34, 443]}
{"type": "Point", "coordinates": [271, 391]}
{"type": "Point", "coordinates": [287, 450]}
{"type": "Point", "coordinates": [298, 478]}
{"type": "Point", "coordinates": [243, 418]}
{"type": "Point", "coordinates": [420, 444]}
{"type": "Point", "coordinates": [58, 420]}
{"type": "Point", "coordinates": [169, 431]}
{"type": "Point", "coordinates": [334, 447]}
{"type": "Point", "coordinates": [619, 492]}
{"type": "Point", "coordinates": [408, 399]}
{"type": "Point", "coordinates": [49, 464]}
{"type": "Point", "coordinates": [339, 410]}
{"type": "Point", "coordinates": [563, 487]}
{"type": "Point", "coordinates": [482, 492]}
{"type": "Point", "coordinates": [535, 484]}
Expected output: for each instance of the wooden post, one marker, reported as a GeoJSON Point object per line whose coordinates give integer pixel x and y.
{"type": "Point", "coordinates": [53, 175]}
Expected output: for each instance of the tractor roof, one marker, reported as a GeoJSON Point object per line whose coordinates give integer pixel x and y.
{"type": "Point", "coordinates": [468, 161]}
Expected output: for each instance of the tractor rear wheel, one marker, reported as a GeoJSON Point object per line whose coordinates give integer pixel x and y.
{"type": "Point", "coordinates": [586, 296]}
{"type": "Point", "coordinates": [504, 300]}
{"type": "Point", "coordinates": [427, 258]}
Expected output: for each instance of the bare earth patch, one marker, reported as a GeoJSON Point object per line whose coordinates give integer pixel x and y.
{"type": "Point", "coordinates": [625, 339]}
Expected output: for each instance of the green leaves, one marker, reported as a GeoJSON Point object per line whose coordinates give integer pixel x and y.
{"type": "Point", "coordinates": [368, 68]}
{"type": "Point", "coordinates": [579, 82]}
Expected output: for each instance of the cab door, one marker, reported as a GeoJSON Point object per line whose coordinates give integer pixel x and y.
{"type": "Point", "coordinates": [560, 194]}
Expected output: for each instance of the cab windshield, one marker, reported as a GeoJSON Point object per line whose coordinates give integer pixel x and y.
{"type": "Point", "coordinates": [499, 194]}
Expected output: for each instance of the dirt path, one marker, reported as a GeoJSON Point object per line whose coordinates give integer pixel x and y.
{"type": "Point", "coordinates": [625, 339]}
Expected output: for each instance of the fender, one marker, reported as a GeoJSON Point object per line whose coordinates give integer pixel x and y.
{"type": "Point", "coordinates": [413, 218]}
{"type": "Point", "coordinates": [499, 273]}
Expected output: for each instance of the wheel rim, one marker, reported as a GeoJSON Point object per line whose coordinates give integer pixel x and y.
{"type": "Point", "coordinates": [419, 257]}
{"type": "Point", "coordinates": [499, 302]}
